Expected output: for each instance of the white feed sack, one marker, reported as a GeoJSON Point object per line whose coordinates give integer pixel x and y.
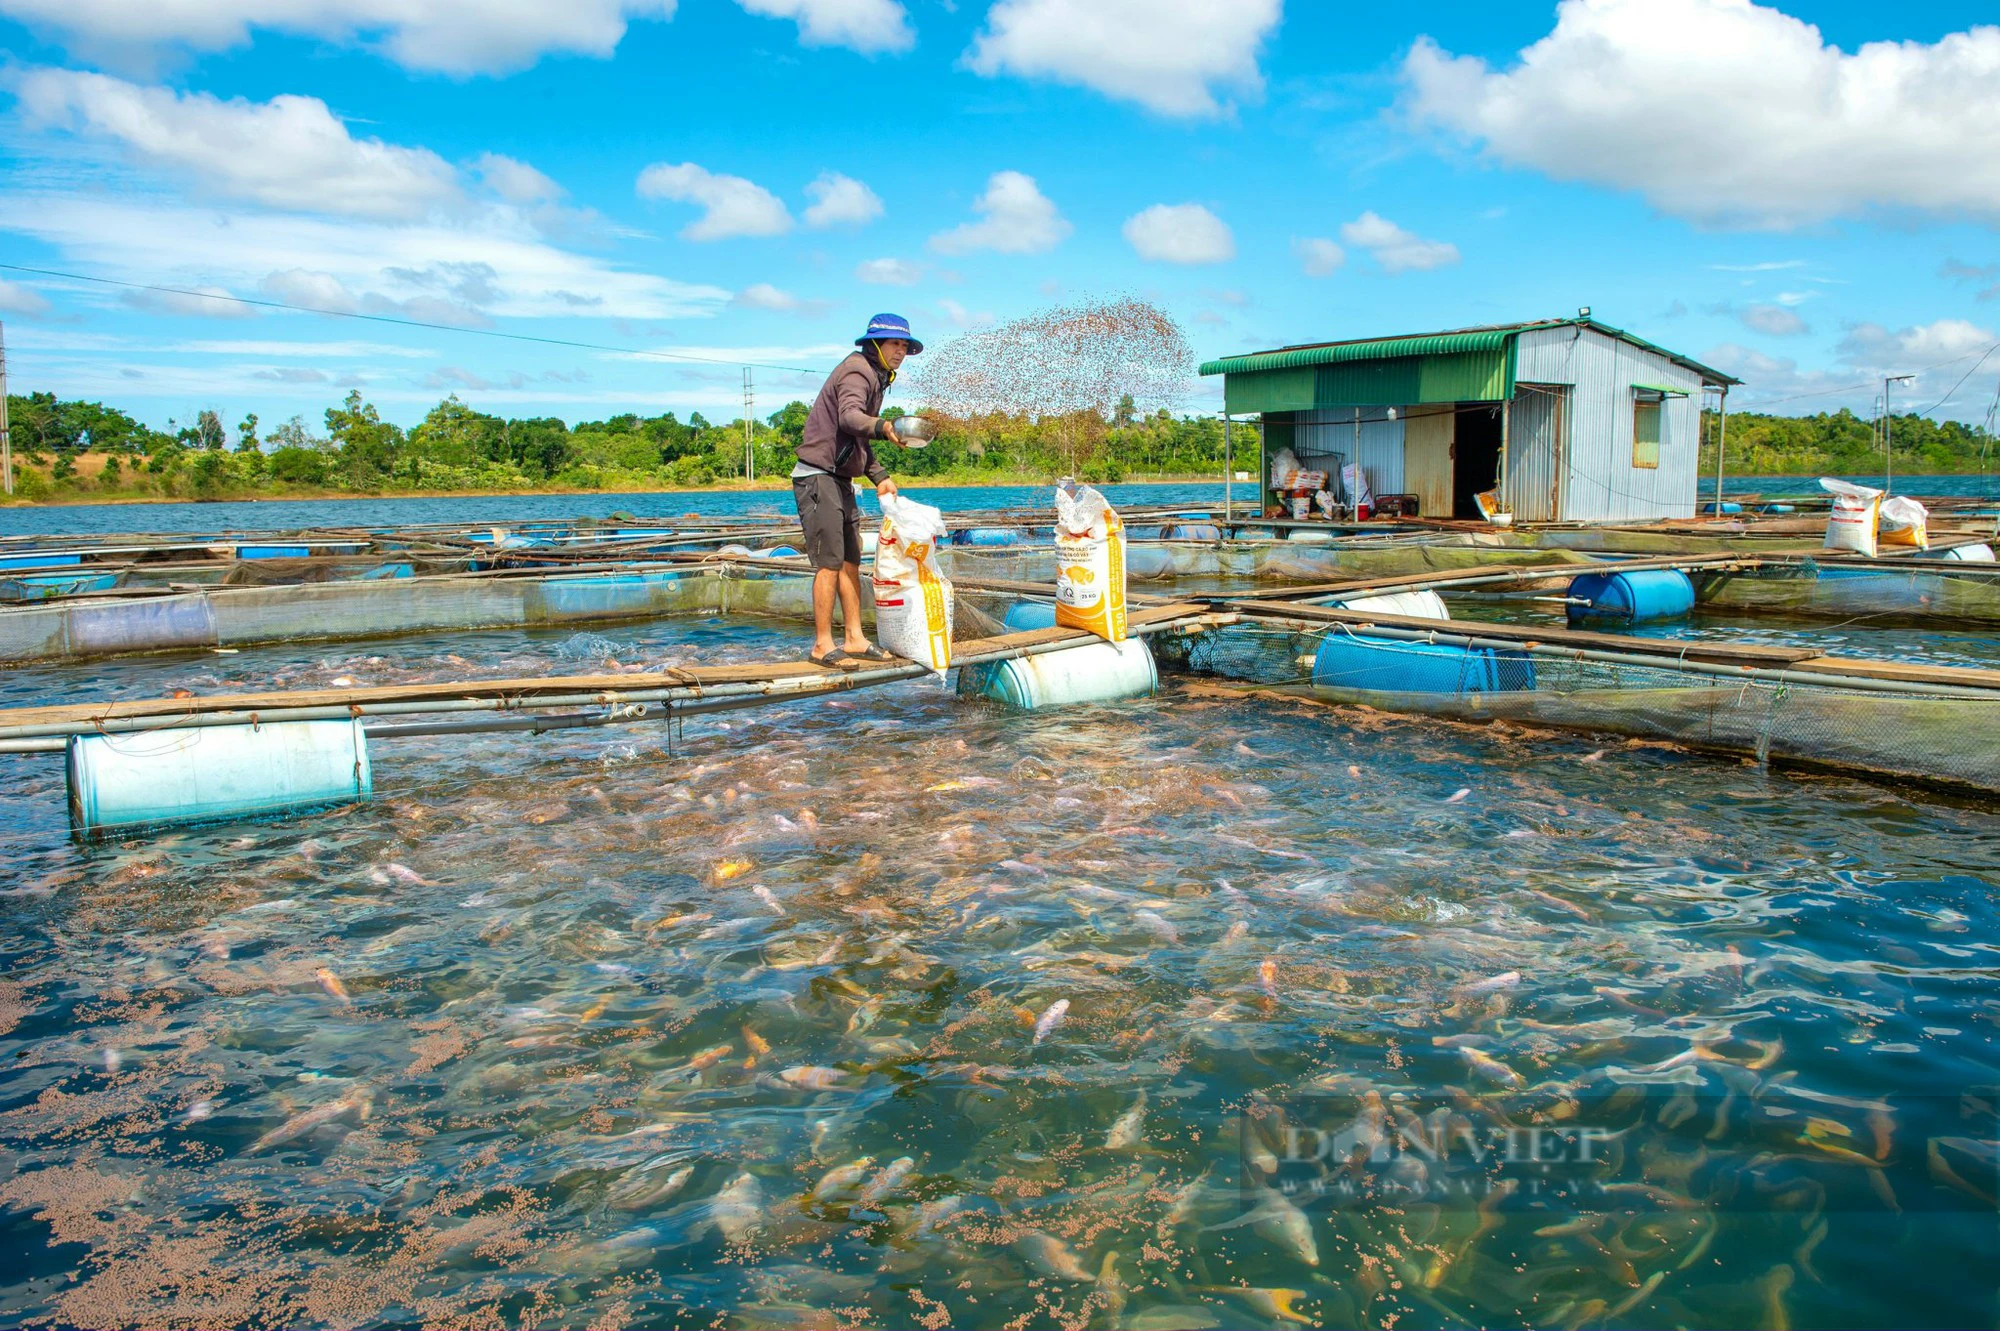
{"type": "Point", "coordinates": [913, 601]}
{"type": "Point", "coordinates": [1857, 511]}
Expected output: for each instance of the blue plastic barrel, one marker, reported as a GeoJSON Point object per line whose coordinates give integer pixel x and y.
{"type": "Point", "coordinates": [989, 536]}
{"type": "Point", "coordinates": [1194, 531]}
{"type": "Point", "coordinates": [210, 772]}
{"type": "Point", "coordinates": [1726, 506]}
{"type": "Point", "coordinates": [1637, 597]}
{"type": "Point", "coordinates": [1094, 672]}
{"type": "Point", "coordinates": [1023, 616]}
{"type": "Point", "coordinates": [1355, 661]}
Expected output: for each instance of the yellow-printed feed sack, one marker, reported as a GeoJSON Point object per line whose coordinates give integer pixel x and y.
{"type": "Point", "coordinates": [913, 610]}
{"type": "Point", "coordinates": [1090, 563]}
{"type": "Point", "coordinates": [1857, 512]}
{"type": "Point", "coordinates": [1905, 522]}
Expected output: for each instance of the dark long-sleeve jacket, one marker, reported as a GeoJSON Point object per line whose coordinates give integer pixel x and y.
{"type": "Point", "coordinates": [845, 418]}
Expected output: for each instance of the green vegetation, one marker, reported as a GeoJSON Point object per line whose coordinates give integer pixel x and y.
{"type": "Point", "coordinates": [86, 451]}
{"type": "Point", "coordinates": [1841, 443]}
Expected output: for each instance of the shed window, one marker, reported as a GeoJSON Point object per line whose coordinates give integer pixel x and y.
{"type": "Point", "coordinates": [1646, 430]}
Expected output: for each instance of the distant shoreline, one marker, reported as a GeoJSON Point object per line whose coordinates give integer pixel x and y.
{"type": "Point", "coordinates": [781, 485]}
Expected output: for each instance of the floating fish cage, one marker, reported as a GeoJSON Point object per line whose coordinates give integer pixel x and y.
{"type": "Point", "coordinates": [1930, 590]}
{"type": "Point", "coordinates": [1913, 724]}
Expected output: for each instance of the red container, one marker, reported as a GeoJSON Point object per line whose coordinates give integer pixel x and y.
{"type": "Point", "coordinates": [1361, 512]}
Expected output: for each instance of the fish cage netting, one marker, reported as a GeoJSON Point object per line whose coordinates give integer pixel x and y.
{"type": "Point", "coordinates": [1926, 736]}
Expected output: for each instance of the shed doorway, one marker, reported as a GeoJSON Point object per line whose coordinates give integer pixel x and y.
{"type": "Point", "coordinates": [1475, 457]}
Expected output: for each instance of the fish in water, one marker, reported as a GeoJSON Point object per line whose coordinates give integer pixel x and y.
{"type": "Point", "coordinates": [1157, 925]}
{"type": "Point", "coordinates": [738, 1210]}
{"type": "Point", "coordinates": [1278, 1219]}
{"type": "Point", "coordinates": [837, 1183]}
{"type": "Point", "coordinates": [1050, 1256]}
{"type": "Point", "coordinates": [1271, 1304]}
{"type": "Point", "coordinates": [649, 1184]}
{"type": "Point", "coordinates": [357, 1104]}
{"type": "Point", "coordinates": [333, 987]}
{"type": "Point", "coordinates": [1052, 1017]}
{"type": "Point", "coordinates": [769, 898]}
{"type": "Point", "coordinates": [814, 1078]}
{"type": "Point", "coordinates": [1504, 980]}
{"type": "Point", "coordinates": [1129, 1130]}
{"type": "Point", "coordinates": [886, 1183]}
{"type": "Point", "coordinates": [1458, 796]}
{"type": "Point", "coordinates": [1267, 977]}
{"type": "Point", "coordinates": [729, 869]}
{"type": "Point", "coordinates": [1491, 1069]}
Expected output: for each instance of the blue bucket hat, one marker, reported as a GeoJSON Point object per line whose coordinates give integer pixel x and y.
{"type": "Point", "coordinates": [883, 327]}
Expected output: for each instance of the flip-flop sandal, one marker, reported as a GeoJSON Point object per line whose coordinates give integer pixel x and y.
{"type": "Point", "coordinates": [871, 653]}
{"type": "Point", "coordinates": [837, 659]}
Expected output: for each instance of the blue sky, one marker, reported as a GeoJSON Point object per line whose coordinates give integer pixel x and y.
{"type": "Point", "coordinates": [1807, 196]}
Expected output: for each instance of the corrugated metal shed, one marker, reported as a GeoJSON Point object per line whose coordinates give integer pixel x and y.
{"type": "Point", "coordinates": [1598, 480]}
{"type": "Point", "coordinates": [1571, 387]}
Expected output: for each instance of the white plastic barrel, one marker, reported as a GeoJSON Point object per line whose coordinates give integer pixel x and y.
{"type": "Point", "coordinates": [1416, 605]}
{"type": "Point", "coordinates": [1094, 672]}
{"type": "Point", "coordinates": [211, 772]}
{"type": "Point", "coordinates": [1971, 554]}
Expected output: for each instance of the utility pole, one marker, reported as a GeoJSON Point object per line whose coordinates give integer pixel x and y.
{"type": "Point", "coordinates": [749, 444]}
{"type": "Point", "coordinates": [1721, 436]}
{"type": "Point", "coordinates": [6, 440]}
{"type": "Point", "coordinates": [1228, 476]}
{"type": "Point", "coordinates": [1888, 431]}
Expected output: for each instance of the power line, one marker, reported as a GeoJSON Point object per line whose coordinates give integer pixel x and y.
{"type": "Point", "coordinates": [401, 323]}
{"type": "Point", "coordinates": [1961, 380]}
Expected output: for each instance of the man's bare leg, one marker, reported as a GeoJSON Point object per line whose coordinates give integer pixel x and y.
{"type": "Point", "coordinates": [850, 608]}
{"type": "Point", "coordinates": [827, 584]}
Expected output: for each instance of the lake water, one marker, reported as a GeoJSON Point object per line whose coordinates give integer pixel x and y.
{"type": "Point", "coordinates": [1369, 1022]}
{"type": "Point", "coordinates": [289, 514]}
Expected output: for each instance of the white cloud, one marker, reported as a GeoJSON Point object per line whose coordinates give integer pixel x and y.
{"type": "Point", "coordinates": [1772, 267]}
{"type": "Point", "coordinates": [1730, 113]}
{"type": "Point", "coordinates": [764, 296]}
{"type": "Point", "coordinates": [1318, 256]}
{"type": "Point", "coordinates": [731, 205]}
{"type": "Point", "coordinates": [839, 200]}
{"type": "Point", "coordinates": [17, 299]}
{"type": "Point", "coordinates": [1773, 320]}
{"type": "Point", "coordinates": [491, 265]}
{"type": "Point", "coordinates": [204, 302]}
{"type": "Point", "coordinates": [458, 37]}
{"type": "Point", "coordinates": [867, 26]}
{"type": "Point", "coordinates": [1169, 56]}
{"type": "Point", "coordinates": [515, 181]}
{"type": "Point", "coordinates": [1872, 345]}
{"type": "Point", "coordinates": [889, 272]}
{"type": "Point", "coordinates": [960, 317]}
{"type": "Point", "coordinates": [1017, 219]}
{"type": "Point", "coordinates": [1180, 233]}
{"type": "Point", "coordinates": [289, 152]}
{"type": "Point", "coordinates": [1397, 250]}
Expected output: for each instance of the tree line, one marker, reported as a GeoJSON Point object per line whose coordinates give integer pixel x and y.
{"type": "Point", "coordinates": [1841, 443]}
{"type": "Point", "coordinates": [72, 448]}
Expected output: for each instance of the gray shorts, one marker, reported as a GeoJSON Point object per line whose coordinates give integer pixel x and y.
{"type": "Point", "coordinates": [831, 518]}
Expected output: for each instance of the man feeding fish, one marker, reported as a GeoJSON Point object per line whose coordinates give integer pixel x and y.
{"type": "Point", "coordinates": [835, 449]}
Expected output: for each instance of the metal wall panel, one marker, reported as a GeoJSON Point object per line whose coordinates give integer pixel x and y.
{"type": "Point", "coordinates": [1531, 468]}
{"type": "Point", "coordinates": [1427, 459]}
{"type": "Point", "coordinates": [1268, 390]}
{"type": "Point", "coordinates": [1598, 482]}
{"type": "Point", "coordinates": [1379, 449]}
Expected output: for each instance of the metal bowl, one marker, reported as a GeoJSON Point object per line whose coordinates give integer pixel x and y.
{"type": "Point", "coordinates": [916, 431]}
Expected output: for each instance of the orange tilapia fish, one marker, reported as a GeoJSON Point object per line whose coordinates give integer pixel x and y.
{"type": "Point", "coordinates": [333, 987]}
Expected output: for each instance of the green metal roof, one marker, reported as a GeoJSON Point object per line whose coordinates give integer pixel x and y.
{"type": "Point", "coordinates": [1495, 337]}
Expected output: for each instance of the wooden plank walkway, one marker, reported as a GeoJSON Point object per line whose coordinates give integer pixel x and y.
{"type": "Point", "coordinates": [789, 678]}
